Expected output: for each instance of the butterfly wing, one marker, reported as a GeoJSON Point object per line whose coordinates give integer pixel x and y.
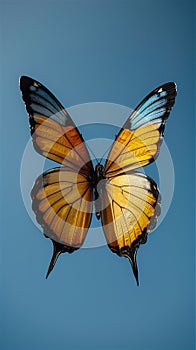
{"type": "Point", "coordinates": [62, 202]}
{"type": "Point", "coordinates": [130, 200]}
{"type": "Point", "coordinates": [61, 197]}
{"type": "Point", "coordinates": [139, 141]}
{"type": "Point", "coordinates": [54, 134]}
{"type": "Point", "coordinates": [131, 205]}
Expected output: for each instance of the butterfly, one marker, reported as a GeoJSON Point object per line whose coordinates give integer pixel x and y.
{"type": "Point", "coordinates": [125, 200]}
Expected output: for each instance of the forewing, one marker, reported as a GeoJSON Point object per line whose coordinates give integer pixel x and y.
{"type": "Point", "coordinates": [130, 208]}
{"type": "Point", "coordinates": [139, 141]}
{"type": "Point", "coordinates": [54, 134]}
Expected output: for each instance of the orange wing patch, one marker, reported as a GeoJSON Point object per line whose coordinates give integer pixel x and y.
{"type": "Point", "coordinates": [62, 144]}
{"type": "Point", "coordinates": [133, 149]}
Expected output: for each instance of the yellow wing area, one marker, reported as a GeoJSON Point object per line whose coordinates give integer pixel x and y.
{"type": "Point", "coordinates": [131, 205]}
{"type": "Point", "coordinates": [62, 144]}
{"type": "Point", "coordinates": [62, 202]}
{"type": "Point", "coordinates": [133, 149]}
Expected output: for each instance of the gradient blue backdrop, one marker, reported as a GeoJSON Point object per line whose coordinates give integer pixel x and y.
{"type": "Point", "coordinates": [86, 51]}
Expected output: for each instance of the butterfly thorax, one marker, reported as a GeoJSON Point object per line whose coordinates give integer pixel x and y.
{"type": "Point", "coordinates": [99, 173]}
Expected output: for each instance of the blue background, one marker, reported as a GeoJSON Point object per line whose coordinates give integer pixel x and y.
{"type": "Point", "coordinates": [86, 51]}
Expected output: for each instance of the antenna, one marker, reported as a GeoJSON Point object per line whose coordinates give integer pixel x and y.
{"type": "Point", "coordinates": [105, 153]}
{"type": "Point", "coordinates": [91, 151]}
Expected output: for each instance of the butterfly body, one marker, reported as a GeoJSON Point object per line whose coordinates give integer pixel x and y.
{"type": "Point", "coordinates": [97, 184]}
{"type": "Point", "coordinates": [126, 201]}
